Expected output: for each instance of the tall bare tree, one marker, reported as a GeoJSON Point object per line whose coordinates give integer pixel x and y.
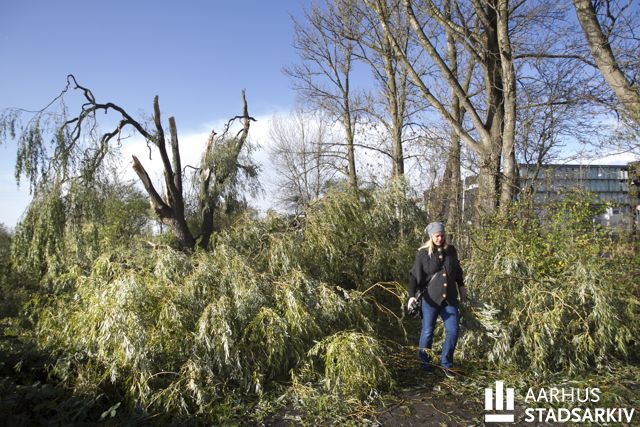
{"type": "Point", "coordinates": [324, 77]}
{"type": "Point", "coordinates": [392, 105]}
{"type": "Point", "coordinates": [482, 28]}
{"type": "Point", "coordinates": [302, 152]}
{"type": "Point", "coordinates": [452, 182]}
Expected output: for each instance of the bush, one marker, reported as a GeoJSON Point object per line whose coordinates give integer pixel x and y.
{"type": "Point", "coordinates": [181, 333]}
{"type": "Point", "coordinates": [68, 226]}
{"type": "Point", "coordinates": [315, 302]}
{"type": "Point", "coordinates": [357, 242]}
{"type": "Point", "coordinates": [15, 287]}
{"type": "Point", "coordinates": [354, 364]}
{"type": "Point", "coordinates": [552, 294]}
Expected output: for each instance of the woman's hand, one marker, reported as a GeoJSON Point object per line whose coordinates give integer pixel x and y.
{"type": "Point", "coordinates": [411, 303]}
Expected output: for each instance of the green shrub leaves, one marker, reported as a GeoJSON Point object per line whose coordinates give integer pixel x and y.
{"type": "Point", "coordinates": [312, 305]}
{"type": "Point", "coordinates": [553, 294]}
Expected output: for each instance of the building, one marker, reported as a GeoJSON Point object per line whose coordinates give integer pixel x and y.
{"type": "Point", "coordinates": [611, 185]}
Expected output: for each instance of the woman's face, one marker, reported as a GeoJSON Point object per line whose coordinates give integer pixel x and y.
{"type": "Point", "coordinates": [438, 239]}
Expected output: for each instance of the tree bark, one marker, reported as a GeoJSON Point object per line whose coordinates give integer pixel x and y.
{"type": "Point", "coordinates": [395, 113]}
{"type": "Point", "coordinates": [454, 186]}
{"type": "Point", "coordinates": [166, 212]}
{"type": "Point", "coordinates": [487, 142]}
{"type": "Point", "coordinates": [350, 136]}
{"type": "Point", "coordinates": [601, 50]}
{"type": "Point", "coordinates": [509, 168]}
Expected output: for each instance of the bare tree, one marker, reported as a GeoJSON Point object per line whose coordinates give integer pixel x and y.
{"type": "Point", "coordinates": [303, 156]}
{"type": "Point", "coordinates": [557, 105]}
{"type": "Point", "coordinates": [324, 77]}
{"type": "Point", "coordinates": [482, 28]}
{"type": "Point", "coordinates": [392, 106]}
{"type": "Point", "coordinates": [452, 182]}
{"type": "Point", "coordinates": [563, 102]}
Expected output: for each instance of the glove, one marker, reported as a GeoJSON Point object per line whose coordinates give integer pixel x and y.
{"type": "Point", "coordinates": [413, 308]}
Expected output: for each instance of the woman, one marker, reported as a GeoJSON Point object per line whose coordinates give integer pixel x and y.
{"type": "Point", "coordinates": [437, 272]}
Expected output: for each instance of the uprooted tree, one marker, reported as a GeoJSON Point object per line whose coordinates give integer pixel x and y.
{"type": "Point", "coordinates": [76, 153]}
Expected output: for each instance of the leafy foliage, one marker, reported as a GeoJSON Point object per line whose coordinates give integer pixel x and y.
{"type": "Point", "coordinates": [15, 289]}
{"type": "Point", "coordinates": [340, 239]}
{"type": "Point", "coordinates": [305, 312]}
{"type": "Point", "coordinates": [354, 364]}
{"type": "Point", "coordinates": [183, 334]}
{"type": "Point", "coordinates": [38, 245]}
{"type": "Point", "coordinates": [179, 333]}
{"type": "Point", "coordinates": [68, 226]}
{"type": "Point", "coordinates": [555, 294]}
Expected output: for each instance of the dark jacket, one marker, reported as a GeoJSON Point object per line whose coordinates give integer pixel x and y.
{"type": "Point", "coordinates": [438, 274]}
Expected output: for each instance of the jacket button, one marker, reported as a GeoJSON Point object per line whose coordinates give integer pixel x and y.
{"type": "Point", "coordinates": [445, 285]}
{"type": "Point", "coordinates": [444, 295]}
{"type": "Point", "coordinates": [444, 274]}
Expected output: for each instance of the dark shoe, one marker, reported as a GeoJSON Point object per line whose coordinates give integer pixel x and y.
{"type": "Point", "coordinates": [449, 373]}
{"type": "Point", "coordinates": [426, 368]}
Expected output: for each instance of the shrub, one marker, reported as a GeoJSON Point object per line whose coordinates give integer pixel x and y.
{"type": "Point", "coordinates": [181, 333]}
{"type": "Point", "coordinates": [551, 294]}
{"type": "Point", "coordinates": [354, 364]}
{"type": "Point", "coordinates": [355, 242]}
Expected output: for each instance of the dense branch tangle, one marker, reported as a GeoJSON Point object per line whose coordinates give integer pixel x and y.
{"type": "Point", "coordinates": [324, 77]}
{"type": "Point", "coordinates": [481, 28]}
{"type": "Point", "coordinates": [215, 173]}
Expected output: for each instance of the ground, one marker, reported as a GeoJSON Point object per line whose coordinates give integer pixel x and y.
{"type": "Point", "coordinates": [434, 400]}
{"type": "Point", "coordinates": [421, 399]}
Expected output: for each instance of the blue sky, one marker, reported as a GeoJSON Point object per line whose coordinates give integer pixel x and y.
{"type": "Point", "coordinates": [196, 55]}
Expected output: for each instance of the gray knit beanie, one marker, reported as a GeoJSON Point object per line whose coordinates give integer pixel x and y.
{"type": "Point", "coordinates": [433, 228]}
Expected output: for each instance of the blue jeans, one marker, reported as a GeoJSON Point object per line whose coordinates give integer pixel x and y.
{"type": "Point", "coordinates": [449, 315]}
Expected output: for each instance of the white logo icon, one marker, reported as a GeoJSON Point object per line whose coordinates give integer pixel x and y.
{"type": "Point", "coordinates": [499, 404]}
